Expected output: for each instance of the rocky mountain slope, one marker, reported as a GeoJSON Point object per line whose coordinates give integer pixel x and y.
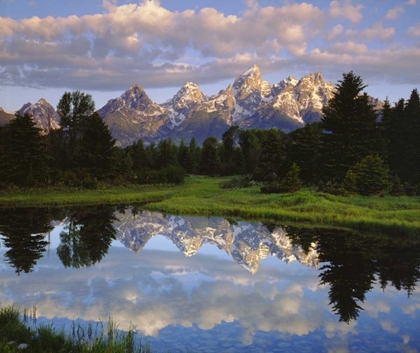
{"type": "Point", "coordinates": [5, 117]}
{"type": "Point", "coordinates": [41, 112]}
{"type": "Point", "coordinates": [248, 102]}
{"type": "Point", "coordinates": [247, 243]}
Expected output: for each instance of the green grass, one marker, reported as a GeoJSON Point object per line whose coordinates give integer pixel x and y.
{"type": "Point", "coordinates": [203, 196]}
{"type": "Point", "coordinates": [15, 330]}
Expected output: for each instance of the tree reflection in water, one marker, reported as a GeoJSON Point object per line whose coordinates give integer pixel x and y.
{"type": "Point", "coordinates": [23, 231]}
{"type": "Point", "coordinates": [87, 236]}
{"type": "Point", "coordinates": [353, 262]}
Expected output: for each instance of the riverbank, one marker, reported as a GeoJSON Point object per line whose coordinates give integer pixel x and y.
{"type": "Point", "coordinates": [203, 196]}
{"type": "Point", "coordinates": [17, 334]}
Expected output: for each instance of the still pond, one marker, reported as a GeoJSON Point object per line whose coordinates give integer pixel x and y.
{"type": "Point", "coordinates": [208, 284]}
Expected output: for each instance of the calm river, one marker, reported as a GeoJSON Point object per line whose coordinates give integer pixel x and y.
{"type": "Point", "coordinates": [208, 284]}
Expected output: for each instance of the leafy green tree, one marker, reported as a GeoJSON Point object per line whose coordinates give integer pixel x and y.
{"type": "Point", "coordinates": [141, 160]}
{"type": "Point", "coordinates": [23, 161]}
{"type": "Point", "coordinates": [87, 236]}
{"type": "Point", "coordinates": [350, 128]}
{"type": "Point", "coordinates": [96, 144]}
{"type": "Point", "coordinates": [210, 162]}
{"type": "Point", "coordinates": [73, 108]}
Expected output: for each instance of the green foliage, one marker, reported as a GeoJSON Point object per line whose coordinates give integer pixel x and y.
{"type": "Point", "coordinates": [96, 144]}
{"type": "Point", "coordinates": [369, 177]}
{"type": "Point", "coordinates": [289, 184]}
{"type": "Point", "coordinates": [23, 158]}
{"type": "Point", "coordinates": [273, 154]}
{"type": "Point", "coordinates": [397, 188]}
{"type": "Point", "coordinates": [305, 151]}
{"type": "Point", "coordinates": [210, 162]}
{"type": "Point", "coordinates": [95, 338]}
{"type": "Point", "coordinates": [73, 109]}
{"type": "Point", "coordinates": [350, 125]}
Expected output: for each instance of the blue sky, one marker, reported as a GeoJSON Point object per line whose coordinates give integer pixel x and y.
{"type": "Point", "coordinates": [103, 47]}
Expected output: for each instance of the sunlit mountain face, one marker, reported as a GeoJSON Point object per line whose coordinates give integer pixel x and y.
{"type": "Point", "coordinates": [211, 284]}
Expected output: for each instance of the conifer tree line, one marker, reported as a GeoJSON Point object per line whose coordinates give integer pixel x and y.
{"type": "Point", "coordinates": [353, 149]}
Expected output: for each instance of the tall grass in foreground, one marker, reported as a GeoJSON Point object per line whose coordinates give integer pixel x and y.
{"type": "Point", "coordinates": [20, 333]}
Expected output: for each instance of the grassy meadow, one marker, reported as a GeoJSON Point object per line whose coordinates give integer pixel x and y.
{"type": "Point", "coordinates": [203, 196]}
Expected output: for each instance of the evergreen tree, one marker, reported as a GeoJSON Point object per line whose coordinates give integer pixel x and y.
{"type": "Point", "coordinates": [141, 160]}
{"type": "Point", "coordinates": [192, 157]}
{"type": "Point", "coordinates": [251, 149]}
{"type": "Point", "coordinates": [305, 150]}
{"type": "Point", "coordinates": [412, 139]}
{"type": "Point", "coordinates": [182, 154]}
{"type": "Point", "coordinates": [350, 125]}
{"type": "Point", "coordinates": [210, 162]}
{"type": "Point", "coordinates": [96, 145]}
{"type": "Point", "coordinates": [166, 154]}
{"type": "Point", "coordinates": [371, 175]}
{"type": "Point", "coordinates": [273, 154]}
{"type": "Point", "coordinates": [23, 161]}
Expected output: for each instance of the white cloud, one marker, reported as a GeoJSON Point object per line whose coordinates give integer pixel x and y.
{"type": "Point", "coordinates": [411, 2]}
{"type": "Point", "coordinates": [335, 32]}
{"type": "Point", "coordinates": [414, 30]}
{"type": "Point", "coordinates": [375, 31]}
{"type": "Point", "coordinates": [394, 13]}
{"type": "Point", "coordinates": [148, 44]}
{"type": "Point", "coordinates": [345, 9]}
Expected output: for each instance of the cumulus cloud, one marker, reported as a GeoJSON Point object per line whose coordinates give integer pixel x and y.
{"type": "Point", "coordinates": [148, 44]}
{"type": "Point", "coordinates": [414, 30]}
{"type": "Point", "coordinates": [394, 13]}
{"type": "Point", "coordinates": [375, 31]}
{"type": "Point", "coordinates": [346, 9]}
{"type": "Point", "coordinates": [335, 32]}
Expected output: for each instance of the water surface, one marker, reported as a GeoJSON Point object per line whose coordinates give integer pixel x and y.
{"type": "Point", "coordinates": [208, 284]}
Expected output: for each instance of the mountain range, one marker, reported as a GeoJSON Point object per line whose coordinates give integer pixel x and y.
{"type": "Point", "coordinates": [248, 102]}
{"type": "Point", "coordinates": [245, 242]}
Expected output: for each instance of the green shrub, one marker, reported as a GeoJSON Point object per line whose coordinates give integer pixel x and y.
{"type": "Point", "coordinates": [369, 177]}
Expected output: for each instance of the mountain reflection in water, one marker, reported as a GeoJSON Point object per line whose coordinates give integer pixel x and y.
{"type": "Point", "coordinates": [156, 289]}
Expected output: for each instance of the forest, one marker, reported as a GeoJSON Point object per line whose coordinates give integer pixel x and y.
{"type": "Point", "coordinates": [352, 150]}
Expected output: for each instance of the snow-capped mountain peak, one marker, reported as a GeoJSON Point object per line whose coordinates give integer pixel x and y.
{"type": "Point", "coordinates": [42, 113]}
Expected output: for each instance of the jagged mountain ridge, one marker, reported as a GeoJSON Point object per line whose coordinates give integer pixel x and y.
{"type": "Point", "coordinates": [43, 114]}
{"type": "Point", "coordinates": [247, 243]}
{"type": "Point", "coordinates": [249, 102]}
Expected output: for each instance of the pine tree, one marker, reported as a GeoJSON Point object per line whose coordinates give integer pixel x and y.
{"type": "Point", "coordinates": [96, 145]}
{"type": "Point", "coordinates": [23, 161]}
{"type": "Point", "coordinates": [350, 125]}
{"type": "Point", "coordinates": [371, 175]}
{"type": "Point", "coordinates": [210, 162]}
{"type": "Point", "coordinates": [273, 154]}
{"type": "Point", "coordinates": [305, 151]}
